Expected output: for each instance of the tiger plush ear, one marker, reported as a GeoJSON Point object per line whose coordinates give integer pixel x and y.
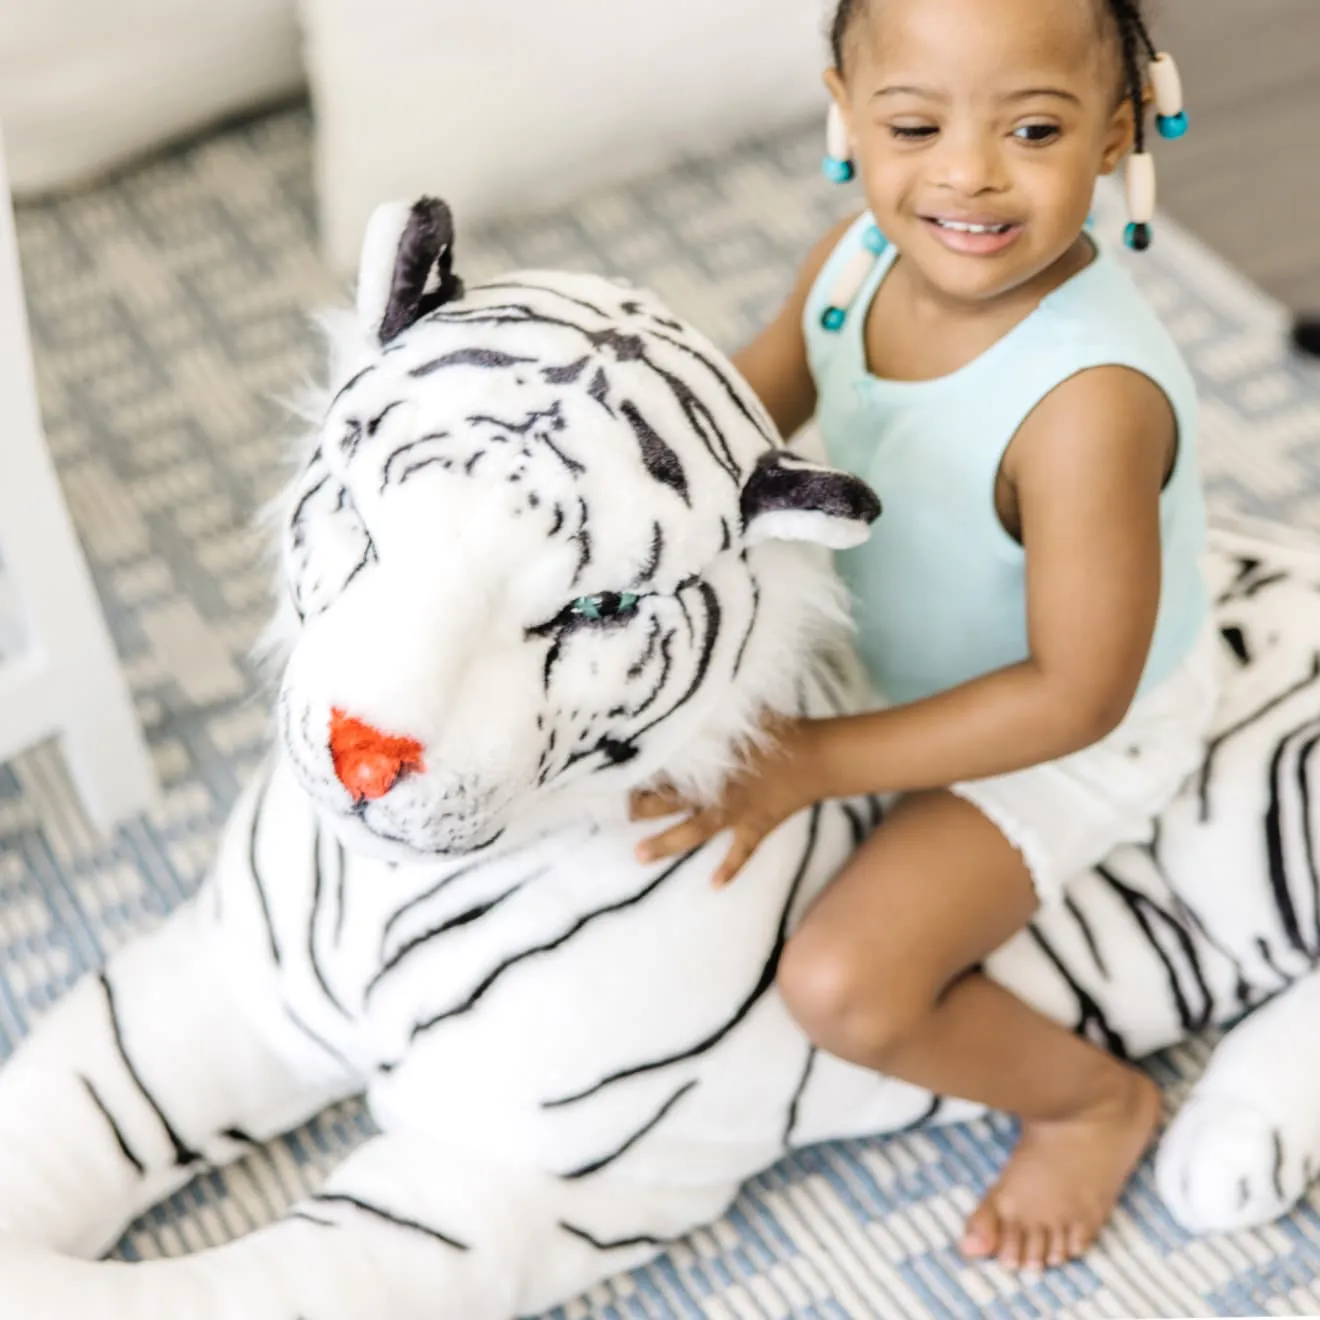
{"type": "Point", "coordinates": [407, 266]}
{"type": "Point", "coordinates": [788, 498]}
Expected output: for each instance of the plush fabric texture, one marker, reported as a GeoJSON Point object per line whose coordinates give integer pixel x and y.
{"type": "Point", "coordinates": [538, 527]}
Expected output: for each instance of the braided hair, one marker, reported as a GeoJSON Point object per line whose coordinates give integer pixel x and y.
{"type": "Point", "coordinates": [1136, 44]}
{"type": "Point", "coordinates": [1133, 37]}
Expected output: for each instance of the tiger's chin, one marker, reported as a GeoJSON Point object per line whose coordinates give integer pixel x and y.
{"type": "Point", "coordinates": [365, 840]}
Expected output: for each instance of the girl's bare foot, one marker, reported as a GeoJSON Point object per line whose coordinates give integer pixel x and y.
{"type": "Point", "coordinates": [1064, 1178]}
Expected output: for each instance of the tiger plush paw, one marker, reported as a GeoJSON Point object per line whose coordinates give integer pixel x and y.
{"type": "Point", "coordinates": [1246, 1145]}
{"type": "Point", "coordinates": [1225, 1165]}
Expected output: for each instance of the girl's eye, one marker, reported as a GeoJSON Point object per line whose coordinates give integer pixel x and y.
{"type": "Point", "coordinates": [912, 132]}
{"type": "Point", "coordinates": [1036, 133]}
{"type": "Point", "coordinates": [608, 605]}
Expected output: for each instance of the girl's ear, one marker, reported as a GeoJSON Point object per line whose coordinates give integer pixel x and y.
{"type": "Point", "coordinates": [1121, 135]}
{"type": "Point", "coordinates": [838, 94]}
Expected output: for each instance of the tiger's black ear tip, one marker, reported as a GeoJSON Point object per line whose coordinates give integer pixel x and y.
{"type": "Point", "coordinates": [1306, 335]}
{"type": "Point", "coordinates": [417, 276]}
{"type": "Point", "coordinates": [430, 227]}
{"type": "Point", "coordinates": [433, 216]}
{"type": "Point", "coordinates": [789, 497]}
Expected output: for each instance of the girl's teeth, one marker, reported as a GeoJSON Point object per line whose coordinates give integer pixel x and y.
{"type": "Point", "coordinates": [973, 229]}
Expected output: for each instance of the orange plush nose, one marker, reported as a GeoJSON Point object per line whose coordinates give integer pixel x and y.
{"type": "Point", "coordinates": [367, 762]}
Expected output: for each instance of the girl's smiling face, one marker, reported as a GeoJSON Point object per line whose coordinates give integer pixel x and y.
{"type": "Point", "coordinates": [979, 128]}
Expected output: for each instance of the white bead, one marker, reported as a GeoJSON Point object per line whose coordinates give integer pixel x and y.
{"type": "Point", "coordinates": [851, 278]}
{"type": "Point", "coordinates": [1139, 179]}
{"type": "Point", "coordinates": [1167, 85]}
{"type": "Point", "coordinates": [836, 134]}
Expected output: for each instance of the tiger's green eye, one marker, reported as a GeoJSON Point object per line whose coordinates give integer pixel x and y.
{"type": "Point", "coordinates": [608, 605]}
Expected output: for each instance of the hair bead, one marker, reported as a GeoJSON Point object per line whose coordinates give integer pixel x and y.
{"type": "Point", "coordinates": [837, 165]}
{"type": "Point", "coordinates": [1166, 83]}
{"type": "Point", "coordinates": [1137, 237]}
{"type": "Point", "coordinates": [1139, 183]}
{"type": "Point", "coordinates": [1170, 117]}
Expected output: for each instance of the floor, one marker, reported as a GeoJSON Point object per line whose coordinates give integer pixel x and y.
{"type": "Point", "coordinates": [1246, 179]}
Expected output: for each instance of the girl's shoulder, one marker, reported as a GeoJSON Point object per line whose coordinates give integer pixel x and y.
{"type": "Point", "coordinates": [1102, 305]}
{"type": "Point", "coordinates": [1101, 318]}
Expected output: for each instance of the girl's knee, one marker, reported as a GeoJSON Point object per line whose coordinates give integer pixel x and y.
{"type": "Point", "coordinates": [843, 1002]}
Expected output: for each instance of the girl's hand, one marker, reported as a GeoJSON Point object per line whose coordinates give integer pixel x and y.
{"type": "Point", "coordinates": [770, 787]}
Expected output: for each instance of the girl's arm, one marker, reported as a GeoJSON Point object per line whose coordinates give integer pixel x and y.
{"type": "Point", "coordinates": [775, 362]}
{"type": "Point", "coordinates": [1087, 466]}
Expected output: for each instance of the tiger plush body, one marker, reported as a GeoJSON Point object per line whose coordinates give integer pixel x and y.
{"type": "Point", "coordinates": [543, 548]}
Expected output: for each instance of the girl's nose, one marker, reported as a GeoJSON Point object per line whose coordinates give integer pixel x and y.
{"type": "Point", "coordinates": [971, 164]}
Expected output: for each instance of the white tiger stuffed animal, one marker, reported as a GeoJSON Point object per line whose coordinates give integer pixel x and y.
{"type": "Point", "coordinates": [543, 547]}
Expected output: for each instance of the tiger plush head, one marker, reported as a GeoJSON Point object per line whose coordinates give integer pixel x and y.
{"type": "Point", "coordinates": [546, 547]}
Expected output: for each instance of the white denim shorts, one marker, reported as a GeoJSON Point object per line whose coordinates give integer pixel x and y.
{"type": "Point", "coordinates": [1064, 816]}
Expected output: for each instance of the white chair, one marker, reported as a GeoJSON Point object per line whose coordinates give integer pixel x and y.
{"type": "Point", "coordinates": [66, 681]}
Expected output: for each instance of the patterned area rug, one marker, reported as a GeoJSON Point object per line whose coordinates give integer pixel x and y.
{"type": "Point", "coordinates": [169, 313]}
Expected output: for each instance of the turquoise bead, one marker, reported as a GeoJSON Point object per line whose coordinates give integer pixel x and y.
{"type": "Point", "coordinates": [1171, 126]}
{"type": "Point", "coordinates": [874, 241]}
{"type": "Point", "coordinates": [836, 170]}
{"type": "Point", "coordinates": [1137, 237]}
{"type": "Point", "coordinates": [833, 318]}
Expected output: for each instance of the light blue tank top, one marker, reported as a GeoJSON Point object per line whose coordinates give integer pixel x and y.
{"type": "Point", "coordinates": [939, 590]}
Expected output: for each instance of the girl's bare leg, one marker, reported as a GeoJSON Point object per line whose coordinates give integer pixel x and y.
{"type": "Point", "coordinates": [878, 974]}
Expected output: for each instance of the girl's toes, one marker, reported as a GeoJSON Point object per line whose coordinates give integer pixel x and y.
{"type": "Point", "coordinates": [1035, 1245]}
{"type": "Point", "coordinates": [1011, 1242]}
{"type": "Point", "coordinates": [1080, 1237]}
{"type": "Point", "coordinates": [1058, 1249]}
{"type": "Point", "coordinates": [981, 1236]}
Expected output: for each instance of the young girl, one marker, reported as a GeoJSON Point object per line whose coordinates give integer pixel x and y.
{"type": "Point", "coordinates": [1029, 605]}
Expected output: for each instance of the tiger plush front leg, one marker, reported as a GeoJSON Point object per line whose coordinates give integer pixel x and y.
{"type": "Point", "coordinates": [406, 1228]}
{"type": "Point", "coordinates": [143, 1075]}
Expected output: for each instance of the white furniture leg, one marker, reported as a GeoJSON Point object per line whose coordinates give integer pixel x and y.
{"type": "Point", "coordinates": [67, 681]}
